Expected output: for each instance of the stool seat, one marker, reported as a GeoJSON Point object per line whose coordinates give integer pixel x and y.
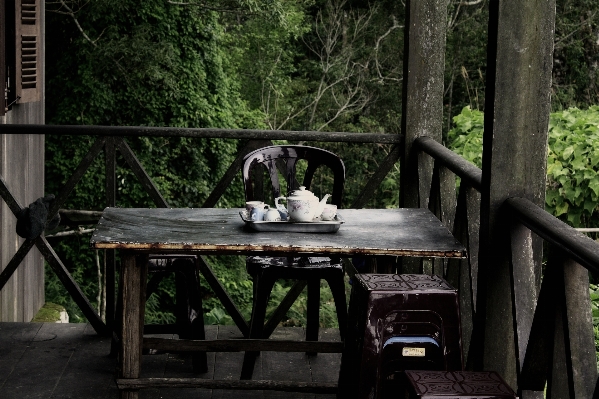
{"type": "Point", "coordinates": [455, 384]}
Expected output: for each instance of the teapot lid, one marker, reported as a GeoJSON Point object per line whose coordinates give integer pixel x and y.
{"type": "Point", "coordinates": [301, 193]}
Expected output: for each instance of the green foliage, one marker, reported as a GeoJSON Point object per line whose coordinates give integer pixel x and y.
{"type": "Point", "coordinates": [573, 166]}
{"type": "Point", "coordinates": [49, 313]}
{"type": "Point", "coordinates": [466, 138]}
{"type": "Point", "coordinates": [572, 190]}
{"type": "Point", "coordinates": [465, 57]}
{"type": "Point", "coordinates": [141, 63]}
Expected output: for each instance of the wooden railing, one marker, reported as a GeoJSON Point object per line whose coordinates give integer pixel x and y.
{"type": "Point", "coordinates": [553, 325]}
{"type": "Point", "coordinates": [112, 139]}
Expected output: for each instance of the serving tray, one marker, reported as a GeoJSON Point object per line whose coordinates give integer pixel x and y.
{"type": "Point", "coordinates": [317, 226]}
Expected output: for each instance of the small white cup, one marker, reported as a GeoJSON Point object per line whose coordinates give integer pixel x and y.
{"type": "Point", "coordinates": [329, 212]}
{"type": "Point", "coordinates": [249, 205]}
{"type": "Point", "coordinates": [272, 215]}
{"type": "Point", "coordinates": [257, 213]}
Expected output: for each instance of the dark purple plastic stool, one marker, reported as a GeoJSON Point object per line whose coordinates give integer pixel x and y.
{"type": "Point", "coordinates": [396, 323]}
{"type": "Point", "coordinates": [456, 385]}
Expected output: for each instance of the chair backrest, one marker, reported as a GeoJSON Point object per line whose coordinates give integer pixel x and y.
{"type": "Point", "coordinates": [283, 159]}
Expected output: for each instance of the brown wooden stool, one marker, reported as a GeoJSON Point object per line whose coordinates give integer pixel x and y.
{"type": "Point", "coordinates": [455, 384]}
{"type": "Point", "coordinates": [396, 323]}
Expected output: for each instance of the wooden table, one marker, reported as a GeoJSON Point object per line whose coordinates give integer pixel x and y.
{"type": "Point", "coordinates": [138, 232]}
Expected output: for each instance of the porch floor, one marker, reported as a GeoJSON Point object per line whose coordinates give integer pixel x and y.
{"type": "Point", "coordinates": [52, 360]}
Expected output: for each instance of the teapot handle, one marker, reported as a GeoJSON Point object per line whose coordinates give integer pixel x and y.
{"type": "Point", "coordinates": [278, 205]}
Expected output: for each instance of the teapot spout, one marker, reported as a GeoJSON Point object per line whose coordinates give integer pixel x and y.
{"type": "Point", "coordinates": [321, 204]}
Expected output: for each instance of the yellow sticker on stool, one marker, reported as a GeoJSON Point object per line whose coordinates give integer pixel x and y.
{"type": "Point", "coordinates": [412, 352]}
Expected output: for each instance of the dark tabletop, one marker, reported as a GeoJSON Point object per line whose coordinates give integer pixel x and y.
{"type": "Point", "coordinates": [400, 232]}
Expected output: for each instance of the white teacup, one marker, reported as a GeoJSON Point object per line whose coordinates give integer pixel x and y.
{"type": "Point", "coordinates": [258, 211]}
{"type": "Point", "coordinates": [249, 205]}
{"type": "Point", "coordinates": [329, 212]}
{"type": "Point", "coordinates": [272, 215]}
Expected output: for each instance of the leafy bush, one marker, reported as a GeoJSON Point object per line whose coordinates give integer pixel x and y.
{"type": "Point", "coordinates": [466, 138]}
{"type": "Point", "coordinates": [572, 191]}
{"type": "Point", "coordinates": [573, 166]}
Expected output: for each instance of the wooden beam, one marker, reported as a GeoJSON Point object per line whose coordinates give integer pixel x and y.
{"type": "Point", "coordinates": [233, 170]}
{"type": "Point", "coordinates": [84, 164]}
{"type": "Point", "coordinates": [286, 386]}
{"type": "Point", "coordinates": [71, 286]}
{"type": "Point", "coordinates": [240, 345]}
{"type": "Point", "coordinates": [461, 273]}
{"type": "Point", "coordinates": [467, 171]}
{"type": "Point", "coordinates": [281, 310]}
{"type": "Point", "coordinates": [377, 178]}
{"type": "Point", "coordinates": [223, 296]}
{"type": "Point", "coordinates": [577, 245]}
{"type": "Point", "coordinates": [141, 173]}
{"type": "Point", "coordinates": [517, 106]}
{"type": "Point", "coordinates": [578, 331]}
{"type": "Point", "coordinates": [243, 134]}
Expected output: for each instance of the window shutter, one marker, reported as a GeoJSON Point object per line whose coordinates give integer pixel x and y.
{"type": "Point", "coordinates": [2, 58]}
{"type": "Point", "coordinates": [28, 74]}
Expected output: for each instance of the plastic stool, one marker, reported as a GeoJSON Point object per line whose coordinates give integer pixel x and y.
{"type": "Point", "coordinates": [396, 323]}
{"type": "Point", "coordinates": [455, 384]}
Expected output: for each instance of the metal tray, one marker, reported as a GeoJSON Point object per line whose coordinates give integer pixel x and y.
{"type": "Point", "coordinates": [317, 226]}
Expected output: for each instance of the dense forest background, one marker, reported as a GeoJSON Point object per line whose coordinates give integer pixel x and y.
{"type": "Point", "coordinates": [327, 65]}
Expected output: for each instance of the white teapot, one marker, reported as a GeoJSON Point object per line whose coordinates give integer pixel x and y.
{"type": "Point", "coordinates": [303, 205]}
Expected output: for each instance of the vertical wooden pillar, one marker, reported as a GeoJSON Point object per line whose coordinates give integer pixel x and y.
{"type": "Point", "coordinates": [517, 107]}
{"type": "Point", "coordinates": [22, 167]}
{"type": "Point", "coordinates": [110, 254]}
{"type": "Point", "coordinates": [422, 105]}
{"type": "Point", "coordinates": [422, 102]}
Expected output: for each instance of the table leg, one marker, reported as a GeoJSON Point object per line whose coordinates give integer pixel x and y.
{"type": "Point", "coordinates": [134, 270]}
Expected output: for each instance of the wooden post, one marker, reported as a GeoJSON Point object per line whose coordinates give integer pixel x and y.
{"type": "Point", "coordinates": [422, 105]}
{"type": "Point", "coordinates": [110, 254]}
{"type": "Point", "coordinates": [517, 107]}
{"type": "Point", "coordinates": [133, 282]}
{"type": "Point", "coordinates": [422, 102]}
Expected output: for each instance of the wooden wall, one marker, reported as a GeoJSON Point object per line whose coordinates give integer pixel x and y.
{"type": "Point", "coordinates": [22, 167]}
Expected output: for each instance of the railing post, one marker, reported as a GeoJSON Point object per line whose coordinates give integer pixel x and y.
{"type": "Point", "coordinates": [110, 258]}
{"type": "Point", "coordinates": [574, 361]}
{"type": "Point", "coordinates": [517, 106]}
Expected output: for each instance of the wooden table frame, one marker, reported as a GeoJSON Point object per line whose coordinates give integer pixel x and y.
{"type": "Point", "coordinates": [139, 232]}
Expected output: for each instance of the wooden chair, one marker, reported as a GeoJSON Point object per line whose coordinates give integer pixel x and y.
{"type": "Point", "coordinates": [282, 161]}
